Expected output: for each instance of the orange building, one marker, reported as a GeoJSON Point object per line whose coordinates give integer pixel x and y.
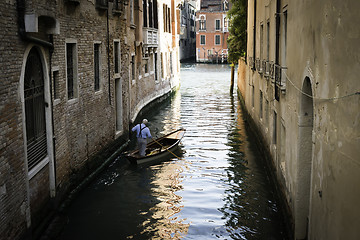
{"type": "Point", "coordinates": [212, 31]}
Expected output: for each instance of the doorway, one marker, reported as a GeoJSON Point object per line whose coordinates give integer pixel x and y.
{"type": "Point", "coordinates": [304, 170]}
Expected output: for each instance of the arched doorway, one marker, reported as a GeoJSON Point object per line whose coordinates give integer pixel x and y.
{"type": "Point", "coordinates": [39, 161]}
{"type": "Point", "coordinates": [34, 100]}
{"type": "Point", "coordinates": [304, 169]}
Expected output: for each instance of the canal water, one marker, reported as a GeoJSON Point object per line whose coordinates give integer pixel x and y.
{"type": "Point", "coordinates": [216, 189]}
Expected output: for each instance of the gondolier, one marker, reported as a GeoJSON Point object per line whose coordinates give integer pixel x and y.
{"type": "Point", "coordinates": [162, 148]}
{"type": "Point", "coordinates": [142, 133]}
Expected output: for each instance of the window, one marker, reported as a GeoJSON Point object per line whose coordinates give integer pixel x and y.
{"type": "Point", "coordinates": [131, 11]}
{"type": "Point", "coordinates": [117, 57]}
{"type": "Point", "coordinates": [133, 73]}
{"type": "Point", "coordinates": [252, 96]}
{"type": "Point", "coordinates": [209, 52]}
{"type": "Point", "coordinates": [275, 128]}
{"type": "Point", "coordinates": [96, 66]}
{"type": "Point", "coordinates": [226, 21]}
{"type": "Point", "coordinates": [146, 66]}
{"type": "Point", "coordinates": [261, 105]}
{"type": "Point", "coordinates": [217, 24]}
{"type": "Point", "coordinates": [267, 40]}
{"type": "Point", "coordinates": [155, 66]}
{"type": "Point", "coordinates": [151, 17]}
{"type": "Point", "coordinates": [217, 39]}
{"type": "Point", "coordinates": [261, 41]}
{"type": "Point", "coordinates": [202, 25]}
{"type": "Point", "coordinates": [145, 13]}
{"type": "Point", "coordinates": [165, 17]}
{"type": "Point", "coordinates": [155, 13]}
{"type": "Point", "coordinates": [71, 71]}
{"type": "Point", "coordinates": [202, 39]}
{"type": "Point", "coordinates": [169, 20]}
{"type": "Point", "coordinates": [166, 20]}
{"type": "Point", "coordinates": [225, 5]}
{"type": "Point", "coordinates": [266, 111]}
{"type": "Point", "coordinates": [162, 65]}
{"type": "Point", "coordinates": [284, 37]}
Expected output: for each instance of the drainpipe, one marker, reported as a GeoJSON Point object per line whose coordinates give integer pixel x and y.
{"type": "Point", "coordinates": [21, 24]}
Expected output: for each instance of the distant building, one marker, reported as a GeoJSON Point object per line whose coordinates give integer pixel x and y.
{"type": "Point", "coordinates": [187, 42]}
{"type": "Point", "coordinates": [301, 88]}
{"type": "Point", "coordinates": [75, 74]}
{"type": "Point", "coordinates": [212, 31]}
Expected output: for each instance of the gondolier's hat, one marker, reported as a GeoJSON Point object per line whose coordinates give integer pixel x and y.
{"type": "Point", "coordinates": [145, 121]}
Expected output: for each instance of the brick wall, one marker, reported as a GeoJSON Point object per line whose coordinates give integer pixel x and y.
{"type": "Point", "coordinates": [12, 176]}
{"type": "Point", "coordinates": [82, 128]}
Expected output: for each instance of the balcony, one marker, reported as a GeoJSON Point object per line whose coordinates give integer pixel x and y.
{"type": "Point", "coordinates": [150, 37]}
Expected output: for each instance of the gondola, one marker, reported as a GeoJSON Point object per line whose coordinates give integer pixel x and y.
{"type": "Point", "coordinates": [159, 149]}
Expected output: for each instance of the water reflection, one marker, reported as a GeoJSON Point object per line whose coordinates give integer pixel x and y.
{"type": "Point", "coordinates": [217, 190]}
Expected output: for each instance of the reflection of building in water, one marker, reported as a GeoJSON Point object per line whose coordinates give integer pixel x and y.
{"type": "Point", "coordinates": [172, 121]}
{"type": "Point", "coordinates": [166, 182]}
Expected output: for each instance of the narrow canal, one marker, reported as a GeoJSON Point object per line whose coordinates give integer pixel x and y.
{"type": "Point", "coordinates": [219, 188]}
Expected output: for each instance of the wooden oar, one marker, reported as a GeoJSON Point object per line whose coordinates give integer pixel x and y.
{"type": "Point", "coordinates": [167, 149]}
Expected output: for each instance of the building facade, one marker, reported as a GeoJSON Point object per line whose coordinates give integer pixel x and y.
{"type": "Point", "coordinates": [187, 43]}
{"type": "Point", "coordinates": [212, 31]}
{"type": "Point", "coordinates": [301, 90]}
{"type": "Point", "coordinates": [75, 74]}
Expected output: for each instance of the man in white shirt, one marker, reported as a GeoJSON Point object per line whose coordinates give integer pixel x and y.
{"type": "Point", "coordinates": [142, 133]}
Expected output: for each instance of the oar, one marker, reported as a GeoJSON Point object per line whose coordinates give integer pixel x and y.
{"type": "Point", "coordinates": [167, 149]}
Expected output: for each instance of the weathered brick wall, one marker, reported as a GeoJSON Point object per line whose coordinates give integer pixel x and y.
{"type": "Point", "coordinates": [12, 175]}
{"type": "Point", "coordinates": [82, 128]}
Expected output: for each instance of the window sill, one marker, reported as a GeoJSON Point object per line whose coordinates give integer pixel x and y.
{"type": "Point", "coordinates": [38, 167]}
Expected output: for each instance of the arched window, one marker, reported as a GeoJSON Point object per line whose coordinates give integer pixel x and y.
{"type": "Point", "coordinates": [35, 109]}
{"type": "Point", "coordinates": [202, 23]}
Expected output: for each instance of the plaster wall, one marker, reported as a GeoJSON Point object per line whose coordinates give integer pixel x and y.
{"type": "Point", "coordinates": [322, 46]}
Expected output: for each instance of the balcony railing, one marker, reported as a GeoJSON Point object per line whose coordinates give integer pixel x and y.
{"type": "Point", "coordinates": [267, 69]}
{"type": "Point", "coordinates": [258, 65]}
{"type": "Point", "coordinates": [271, 70]}
{"type": "Point", "coordinates": [150, 37]}
{"type": "Point", "coordinates": [280, 79]}
{"type": "Point", "coordinates": [263, 67]}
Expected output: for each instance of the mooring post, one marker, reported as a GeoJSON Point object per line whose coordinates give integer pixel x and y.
{"type": "Point", "coordinates": [232, 78]}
